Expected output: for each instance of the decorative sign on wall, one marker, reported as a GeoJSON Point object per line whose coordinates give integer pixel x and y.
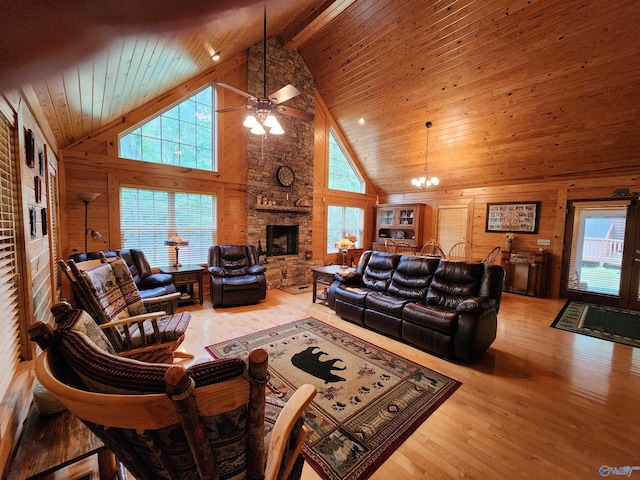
{"type": "Point", "coordinates": [513, 217]}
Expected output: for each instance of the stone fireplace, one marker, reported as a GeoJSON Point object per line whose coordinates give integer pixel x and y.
{"type": "Point", "coordinates": [269, 203]}
{"type": "Point", "coordinates": [282, 240]}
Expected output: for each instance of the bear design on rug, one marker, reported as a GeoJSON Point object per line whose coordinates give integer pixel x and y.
{"type": "Point", "coordinates": [310, 362]}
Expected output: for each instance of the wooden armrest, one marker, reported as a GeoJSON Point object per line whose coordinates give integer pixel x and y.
{"type": "Point", "coordinates": [282, 431]}
{"type": "Point", "coordinates": [135, 319]}
{"type": "Point", "coordinates": [163, 298]}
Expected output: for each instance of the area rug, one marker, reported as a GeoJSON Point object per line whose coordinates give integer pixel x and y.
{"type": "Point", "coordinates": [298, 289]}
{"type": "Point", "coordinates": [369, 400]}
{"type": "Point", "coordinates": [608, 323]}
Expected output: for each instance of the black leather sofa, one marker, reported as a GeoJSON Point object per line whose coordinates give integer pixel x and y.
{"type": "Point", "coordinates": [149, 284]}
{"type": "Point", "coordinates": [443, 307]}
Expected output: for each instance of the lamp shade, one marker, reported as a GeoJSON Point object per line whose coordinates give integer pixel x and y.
{"type": "Point", "coordinates": [177, 241]}
{"type": "Point", "coordinates": [88, 196]}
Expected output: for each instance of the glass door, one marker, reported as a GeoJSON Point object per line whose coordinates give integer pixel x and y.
{"type": "Point", "coordinates": [602, 261]}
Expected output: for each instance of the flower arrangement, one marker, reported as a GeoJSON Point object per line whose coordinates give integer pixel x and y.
{"type": "Point", "coordinates": [509, 235]}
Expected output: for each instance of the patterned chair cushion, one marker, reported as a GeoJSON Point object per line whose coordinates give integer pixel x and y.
{"type": "Point", "coordinates": [104, 286]}
{"type": "Point", "coordinates": [128, 287]}
{"type": "Point", "coordinates": [106, 373]}
{"type": "Point", "coordinates": [81, 321]}
{"type": "Point", "coordinates": [171, 327]}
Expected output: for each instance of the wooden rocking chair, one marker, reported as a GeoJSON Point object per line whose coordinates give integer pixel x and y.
{"type": "Point", "coordinates": [167, 422]}
{"type": "Point", "coordinates": [147, 330]}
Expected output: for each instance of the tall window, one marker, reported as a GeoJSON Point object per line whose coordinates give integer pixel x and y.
{"type": "Point", "coordinates": [342, 174]}
{"type": "Point", "coordinates": [342, 221]}
{"type": "Point", "coordinates": [9, 274]}
{"type": "Point", "coordinates": [149, 217]}
{"type": "Point", "coordinates": [184, 135]}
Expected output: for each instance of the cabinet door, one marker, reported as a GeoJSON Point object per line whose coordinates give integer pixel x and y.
{"type": "Point", "coordinates": [386, 217]}
{"type": "Point", "coordinates": [406, 217]}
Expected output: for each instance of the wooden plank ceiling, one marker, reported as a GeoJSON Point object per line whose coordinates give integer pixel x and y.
{"type": "Point", "coordinates": [517, 90]}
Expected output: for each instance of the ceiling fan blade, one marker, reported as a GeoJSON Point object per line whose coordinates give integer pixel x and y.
{"type": "Point", "coordinates": [232, 109]}
{"type": "Point", "coordinates": [236, 90]}
{"type": "Point", "coordinates": [294, 112]}
{"type": "Point", "coordinates": [285, 93]}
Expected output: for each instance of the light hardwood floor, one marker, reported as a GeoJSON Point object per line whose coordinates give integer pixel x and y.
{"type": "Point", "coordinates": [541, 403]}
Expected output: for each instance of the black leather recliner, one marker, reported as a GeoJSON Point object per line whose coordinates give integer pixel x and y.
{"type": "Point", "coordinates": [236, 276]}
{"type": "Point", "coordinates": [149, 284]}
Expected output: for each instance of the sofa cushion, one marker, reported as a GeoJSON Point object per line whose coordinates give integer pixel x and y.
{"type": "Point", "coordinates": [454, 282]}
{"type": "Point", "coordinates": [434, 317]}
{"type": "Point", "coordinates": [379, 270]}
{"type": "Point", "coordinates": [386, 303]}
{"type": "Point", "coordinates": [240, 282]}
{"type": "Point", "coordinates": [352, 294]}
{"type": "Point", "coordinates": [412, 277]}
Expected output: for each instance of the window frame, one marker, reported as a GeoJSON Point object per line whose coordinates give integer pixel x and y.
{"type": "Point", "coordinates": [214, 130]}
{"type": "Point", "coordinates": [358, 232]}
{"type": "Point", "coordinates": [333, 134]}
{"type": "Point", "coordinates": [186, 256]}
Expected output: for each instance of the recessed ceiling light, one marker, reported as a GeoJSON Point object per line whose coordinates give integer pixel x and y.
{"type": "Point", "coordinates": [361, 120]}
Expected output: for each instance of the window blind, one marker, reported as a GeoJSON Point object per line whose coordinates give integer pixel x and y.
{"type": "Point", "coordinates": [149, 217]}
{"type": "Point", "coordinates": [9, 331]}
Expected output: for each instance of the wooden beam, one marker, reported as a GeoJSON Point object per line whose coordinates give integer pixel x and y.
{"type": "Point", "coordinates": [297, 34]}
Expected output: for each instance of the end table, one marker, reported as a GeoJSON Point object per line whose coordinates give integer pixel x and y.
{"type": "Point", "coordinates": [187, 275]}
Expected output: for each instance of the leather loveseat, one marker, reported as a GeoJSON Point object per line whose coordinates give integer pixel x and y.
{"type": "Point", "coordinates": [443, 307]}
{"type": "Point", "coordinates": [149, 284]}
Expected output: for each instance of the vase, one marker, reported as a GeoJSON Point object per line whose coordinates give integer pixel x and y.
{"type": "Point", "coordinates": [344, 258]}
{"type": "Point", "coordinates": [508, 244]}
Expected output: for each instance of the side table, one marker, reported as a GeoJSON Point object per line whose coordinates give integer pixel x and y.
{"type": "Point", "coordinates": [187, 275]}
{"type": "Point", "coordinates": [323, 276]}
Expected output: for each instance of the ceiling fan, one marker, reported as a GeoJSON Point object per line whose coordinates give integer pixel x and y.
{"type": "Point", "coordinates": [261, 109]}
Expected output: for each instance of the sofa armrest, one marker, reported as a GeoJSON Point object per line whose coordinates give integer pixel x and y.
{"type": "Point", "coordinates": [477, 305]}
{"type": "Point", "coordinates": [350, 277]}
{"type": "Point", "coordinates": [216, 271]}
{"type": "Point", "coordinates": [255, 269]}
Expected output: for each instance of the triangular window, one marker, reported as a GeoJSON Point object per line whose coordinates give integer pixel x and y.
{"type": "Point", "coordinates": [184, 135]}
{"type": "Point", "coordinates": [342, 174]}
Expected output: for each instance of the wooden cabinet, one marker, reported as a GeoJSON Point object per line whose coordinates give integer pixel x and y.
{"type": "Point", "coordinates": [526, 272]}
{"type": "Point", "coordinates": [399, 222]}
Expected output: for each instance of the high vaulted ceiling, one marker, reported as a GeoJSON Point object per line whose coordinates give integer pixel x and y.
{"type": "Point", "coordinates": [517, 90]}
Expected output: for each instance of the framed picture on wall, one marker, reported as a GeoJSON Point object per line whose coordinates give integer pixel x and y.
{"type": "Point", "coordinates": [37, 186]}
{"type": "Point", "coordinates": [30, 147]}
{"type": "Point", "coordinates": [33, 222]}
{"type": "Point", "coordinates": [517, 217]}
{"type": "Point", "coordinates": [43, 217]}
{"type": "Point", "coordinates": [41, 163]}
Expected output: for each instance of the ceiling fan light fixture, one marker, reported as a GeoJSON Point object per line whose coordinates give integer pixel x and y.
{"type": "Point", "coordinates": [270, 121]}
{"type": "Point", "coordinates": [215, 56]}
{"type": "Point", "coordinates": [250, 121]}
{"type": "Point", "coordinates": [258, 130]}
{"type": "Point", "coordinates": [276, 130]}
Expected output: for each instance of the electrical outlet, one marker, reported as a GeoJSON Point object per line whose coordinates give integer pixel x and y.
{"type": "Point", "coordinates": [542, 241]}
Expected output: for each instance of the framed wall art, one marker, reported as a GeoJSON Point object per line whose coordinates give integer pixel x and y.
{"type": "Point", "coordinates": [33, 222]}
{"type": "Point", "coordinates": [30, 147]}
{"type": "Point", "coordinates": [41, 163]}
{"type": "Point", "coordinates": [517, 217]}
{"type": "Point", "coordinates": [37, 187]}
{"type": "Point", "coordinates": [43, 218]}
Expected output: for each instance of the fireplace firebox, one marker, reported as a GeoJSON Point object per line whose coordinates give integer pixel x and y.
{"type": "Point", "coordinates": [282, 240]}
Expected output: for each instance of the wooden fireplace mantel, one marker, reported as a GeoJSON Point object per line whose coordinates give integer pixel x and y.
{"type": "Point", "coordinates": [283, 208]}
